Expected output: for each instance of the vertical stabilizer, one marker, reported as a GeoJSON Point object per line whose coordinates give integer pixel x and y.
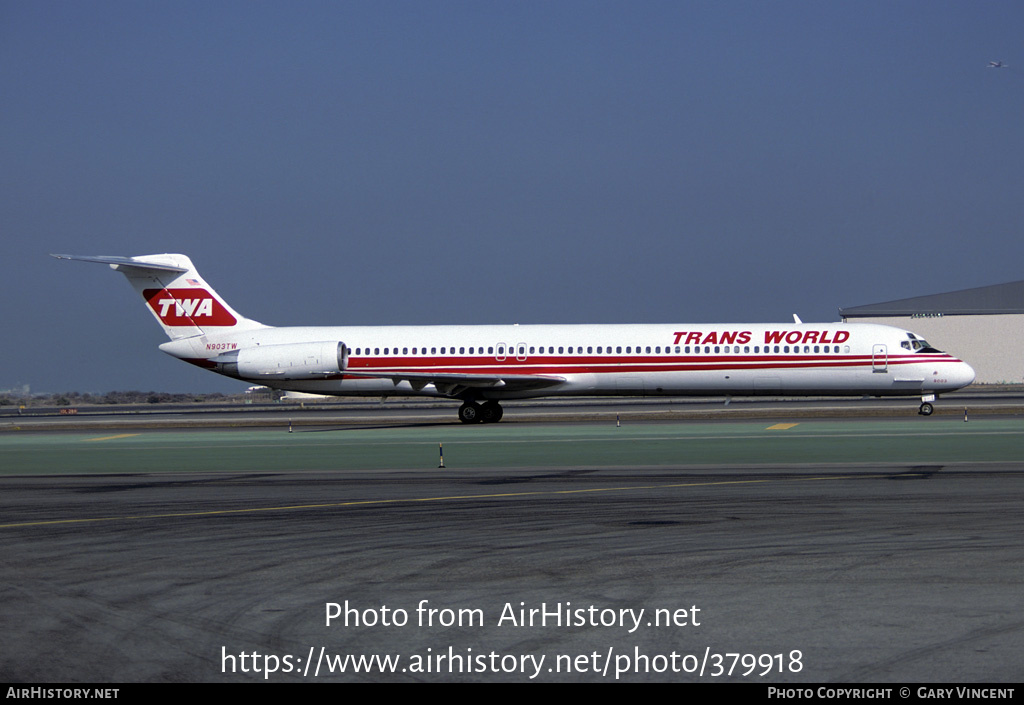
{"type": "Point", "coordinates": [181, 301]}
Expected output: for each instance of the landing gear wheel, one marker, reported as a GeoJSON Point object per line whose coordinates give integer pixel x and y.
{"type": "Point", "coordinates": [491, 412]}
{"type": "Point", "coordinates": [926, 409]}
{"type": "Point", "coordinates": [470, 412]}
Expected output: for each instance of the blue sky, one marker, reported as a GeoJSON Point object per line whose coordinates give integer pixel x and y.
{"type": "Point", "coordinates": [490, 162]}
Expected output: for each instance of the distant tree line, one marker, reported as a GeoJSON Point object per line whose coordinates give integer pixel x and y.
{"type": "Point", "coordinates": [132, 397]}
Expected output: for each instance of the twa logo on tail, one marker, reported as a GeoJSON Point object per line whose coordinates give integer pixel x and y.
{"type": "Point", "coordinates": [188, 307]}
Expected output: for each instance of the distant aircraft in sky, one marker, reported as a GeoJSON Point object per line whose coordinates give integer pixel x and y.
{"type": "Point", "coordinates": [481, 365]}
{"type": "Point", "coordinates": [997, 65]}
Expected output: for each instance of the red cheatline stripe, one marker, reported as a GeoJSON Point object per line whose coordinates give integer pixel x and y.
{"type": "Point", "coordinates": [557, 366]}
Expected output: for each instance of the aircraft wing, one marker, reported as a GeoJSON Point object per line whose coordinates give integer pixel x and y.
{"type": "Point", "coordinates": [452, 383]}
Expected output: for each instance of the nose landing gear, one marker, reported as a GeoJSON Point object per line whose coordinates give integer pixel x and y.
{"type": "Point", "coordinates": [926, 405]}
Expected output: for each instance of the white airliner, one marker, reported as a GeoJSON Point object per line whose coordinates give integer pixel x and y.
{"type": "Point", "coordinates": [481, 365]}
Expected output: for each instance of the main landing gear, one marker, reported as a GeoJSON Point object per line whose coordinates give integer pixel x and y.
{"type": "Point", "coordinates": [488, 412]}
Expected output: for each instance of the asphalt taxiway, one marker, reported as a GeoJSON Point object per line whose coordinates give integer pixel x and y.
{"type": "Point", "coordinates": [860, 550]}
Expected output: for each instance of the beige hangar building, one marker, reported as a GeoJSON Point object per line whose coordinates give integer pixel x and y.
{"type": "Point", "coordinates": [984, 327]}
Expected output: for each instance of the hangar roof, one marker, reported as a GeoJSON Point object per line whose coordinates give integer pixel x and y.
{"type": "Point", "coordinates": [998, 298]}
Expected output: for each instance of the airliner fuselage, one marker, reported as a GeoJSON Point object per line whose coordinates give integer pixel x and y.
{"type": "Point", "coordinates": [483, 364]}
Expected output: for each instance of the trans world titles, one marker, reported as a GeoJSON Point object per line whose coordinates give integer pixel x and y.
{"type": "Point", "coordinates": [771, 337]}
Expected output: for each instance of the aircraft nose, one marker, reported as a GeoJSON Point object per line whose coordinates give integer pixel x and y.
{"type": "Point", "coordinates": [964, 374]}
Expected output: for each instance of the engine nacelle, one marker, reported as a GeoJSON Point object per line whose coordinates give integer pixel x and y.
{"type": "Point", "coordinates": [289, 361]}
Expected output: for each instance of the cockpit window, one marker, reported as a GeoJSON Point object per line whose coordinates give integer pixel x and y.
{"type": "Point", "coordinates": [918, 345]}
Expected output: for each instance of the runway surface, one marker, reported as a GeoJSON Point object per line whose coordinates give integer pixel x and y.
{"type": "Point", "coordinates": [345, 412]}
{"type": "Point", "coordinates": [781, 552]}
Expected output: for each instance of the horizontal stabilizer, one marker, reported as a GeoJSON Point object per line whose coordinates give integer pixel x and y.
{"type": "Point", "coordinates": [118, 262]}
